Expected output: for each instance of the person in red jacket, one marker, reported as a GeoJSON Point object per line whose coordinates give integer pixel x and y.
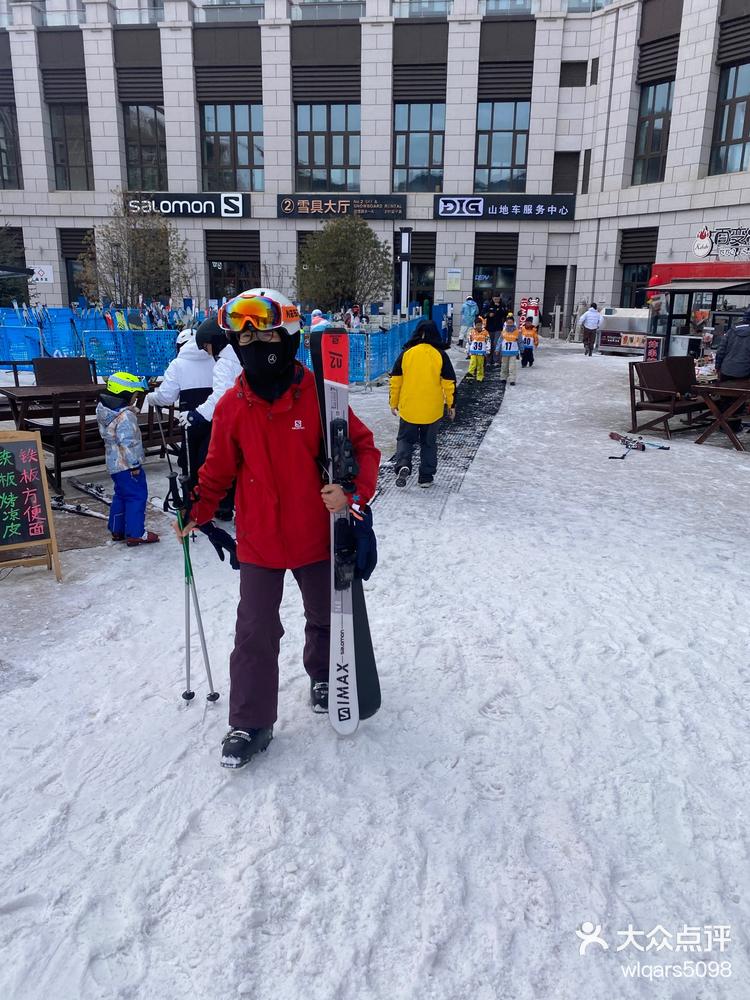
{"type": "Point", "coordinates": [267, 435]}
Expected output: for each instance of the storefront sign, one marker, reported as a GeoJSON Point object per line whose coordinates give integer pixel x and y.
{"type": "Point", "coordinates": [364, 206]}
{"type": "Point", "coordinates": [529, 207]}
{"type": "Point", "coordinates": [728, 243]}
{"type": "Point", "coordinates": [234, 205]}
{"type": "Point", "coordinates": [43, 274]}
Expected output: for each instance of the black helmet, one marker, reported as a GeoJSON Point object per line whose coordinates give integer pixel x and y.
{"type": "Point", "coordinates": [209, 332]}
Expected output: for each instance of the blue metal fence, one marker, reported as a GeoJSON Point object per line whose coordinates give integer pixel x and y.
{"type": "Point", "coordinates": [148, 352]}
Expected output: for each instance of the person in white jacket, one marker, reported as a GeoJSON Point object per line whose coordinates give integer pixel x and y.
{"type": "Point", "coordinates": [189, 378]}
{"type": "Point", "coordinates": [212, 340]}
{"type": "Point", "coordinates": [188, 381]}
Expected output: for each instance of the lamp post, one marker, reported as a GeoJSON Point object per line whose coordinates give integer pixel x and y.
{"type": "Point", "coordinates": [405, 255]}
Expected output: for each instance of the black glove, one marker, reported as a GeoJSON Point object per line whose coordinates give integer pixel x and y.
{"type": "Point", "coordinates": [222, 541]}
{"type": "Point", "coordinates": [364, 536]}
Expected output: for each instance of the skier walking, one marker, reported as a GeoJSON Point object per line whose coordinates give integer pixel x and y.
{"type": "Point", "coordinates": [509, 350]}
{"type": "Point", "coordinates": [268, 435]}
{"type": "Point", "coordinates": [469, 312]}
{"type": "Point", "coordinates": [529, 342]}
{"type": "Point", "coordinates": [123, 447]}
{"type": "Point", "coordinates": [422, 384]}
{"type": "Point", "coordinates": [479, 348]}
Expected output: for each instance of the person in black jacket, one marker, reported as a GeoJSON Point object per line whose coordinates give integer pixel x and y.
{"type": "Point", "coordinates": [494, 317]}
{"type": "Point", "coordinates": [733, 362]}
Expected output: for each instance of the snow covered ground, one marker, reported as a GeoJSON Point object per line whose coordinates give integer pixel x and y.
{"type": "Point", "coordinates": [564, 738]}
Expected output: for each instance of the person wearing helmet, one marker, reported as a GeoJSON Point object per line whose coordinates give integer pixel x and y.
{"type": "Point", "coordinates": [189, 379]}
{"type": "Point", "coordinates": [212, 341]}
{"type": "Point", "coordinates": [118, 426]}
{"type": "Point", "coordinates": [267, 435]}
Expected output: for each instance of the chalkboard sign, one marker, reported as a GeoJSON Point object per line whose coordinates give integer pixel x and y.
{"type": "Point", "coordinates": [25, 512]}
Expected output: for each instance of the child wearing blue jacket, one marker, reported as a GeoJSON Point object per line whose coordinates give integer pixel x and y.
{"type": "Point", "coordinates": [118, 426]}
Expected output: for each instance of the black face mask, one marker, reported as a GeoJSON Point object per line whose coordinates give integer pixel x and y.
{"type": "Point", "coordinates": [269, 367]}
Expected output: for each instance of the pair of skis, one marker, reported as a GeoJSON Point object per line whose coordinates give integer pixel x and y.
{"type": "Point", "coordinates": [353, 685]}
{"type": "Point", "coordinates": [634, 444]}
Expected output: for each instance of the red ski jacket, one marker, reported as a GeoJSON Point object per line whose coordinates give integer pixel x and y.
{"type": "Point", "coordinates": [273, 451]}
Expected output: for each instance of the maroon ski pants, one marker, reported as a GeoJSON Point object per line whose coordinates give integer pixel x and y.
{"type": "Point", "coordinates": [254, 663]}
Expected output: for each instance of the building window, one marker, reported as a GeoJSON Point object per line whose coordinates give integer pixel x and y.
{"type": "Point", "coordinates": [502, 146]}
{"type": "Point", "coordinates": [573, 74]}
{"type": "Point", "coordinates": [71, 145]}
{"type": "Point", "coordinates": [232, 147]}
{"type": "Point", "coordinates": [652, 133]}
{"type": "Point", "coordinates": [730, 151]}
{"type": "Point", "coordinates": [418, 147]}
{"type": "Point", "coordinates": [327, 147]}
{"type": "Point", "coordinates": [145, 147]}
{"type": "Point", "coordinates": [586, 172]}
{"type": "Point", "coordinates": [10, 151]}
{"type": "Point", "coordinates": [635, 278]}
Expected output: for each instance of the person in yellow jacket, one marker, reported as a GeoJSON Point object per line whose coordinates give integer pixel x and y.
{"type": "Point", "coordinates": [423, 383]}
{"type": "Point", "coordinates": [530, 342]}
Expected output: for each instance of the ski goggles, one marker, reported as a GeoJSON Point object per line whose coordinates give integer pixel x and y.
{"type": "Point", "coordinates": [258, 311]}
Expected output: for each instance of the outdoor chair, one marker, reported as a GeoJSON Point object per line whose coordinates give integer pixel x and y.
{"type": "Point", "coordinates": [654, 388]}
{"type": "Point", "coordinates": [64, 371]}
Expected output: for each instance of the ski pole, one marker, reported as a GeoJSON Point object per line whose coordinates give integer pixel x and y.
{"type": "Point", "coordinates": [190, 587]}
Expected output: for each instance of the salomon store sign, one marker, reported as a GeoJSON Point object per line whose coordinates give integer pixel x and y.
{"type": "Point", "coordinates": [529, 207]}
{"type": "Point", "coordinates": [201, 206]}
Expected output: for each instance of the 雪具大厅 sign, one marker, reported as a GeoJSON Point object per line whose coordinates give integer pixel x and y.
{"type": "Point", "coordinates": [529, 207]}
{"type": "Point", "coordinates": [331, 206]}
{"type": "Point", "coordinates": [226, 205]}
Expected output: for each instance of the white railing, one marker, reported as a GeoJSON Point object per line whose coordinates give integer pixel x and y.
{"type": "Point", "coordinates": [507, 6]}
{"type": "Point", "coordinates": [422, 8]}
{"type": "Point", "coordinates": [587, 6]}
{"type": "Point", "coordinates": [152, 14]}
{"type": "Point", "coordinates": [322, 10]}
{"type": "Point", "coordinates": [229, 10]}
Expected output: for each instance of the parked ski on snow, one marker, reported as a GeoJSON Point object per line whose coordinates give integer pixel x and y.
{"type": "Point", "coordinates": [353, 686]}
{"type": "Point", "coordinates": [634, 444]}
{"type": "Point", "coordinates": [93, 490]}
{"type": "Point", "coordinates": [59, 503]}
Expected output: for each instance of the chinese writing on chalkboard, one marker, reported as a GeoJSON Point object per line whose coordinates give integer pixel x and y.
{"type": "Point", "coordinates": [23, 515]}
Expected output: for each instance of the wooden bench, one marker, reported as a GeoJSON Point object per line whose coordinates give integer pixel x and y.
{"type": "Point", "coordinates": [666, 388]}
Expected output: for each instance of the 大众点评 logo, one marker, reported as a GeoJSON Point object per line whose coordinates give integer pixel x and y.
{"type": "Point", "coordinates": [704, 244]}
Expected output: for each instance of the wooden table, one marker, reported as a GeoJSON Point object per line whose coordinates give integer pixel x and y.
{"type": "Point", "coordinates": [31, 403]}
{"type": "Point", "coordinates": [738, 391]}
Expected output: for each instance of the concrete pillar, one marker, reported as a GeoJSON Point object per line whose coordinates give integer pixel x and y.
{"type": "Point", "coordinates": [461, 104]}
{"type": "Point", "coordinates": [278, 109]}
{"type": "Point", "coordinates": [695, 93]}
{"type": "Point", "coordinates": [545, 92]}
{"type": "Point", "coordinates": [107, 138]}
{"type": "Point", "coordinates": [180, 106]}
{"type": "Point", "coordinates": [376, 106]}
{"type": "Point", "coordinates": [33, 118]}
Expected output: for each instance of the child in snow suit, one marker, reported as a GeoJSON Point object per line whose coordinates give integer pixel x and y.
{"type": "Point", "coordinates": [123, 447]}
{"type": "Point", "coordinates": [530, 341]}
{"type": "Point", "coordinates": [509, 350]}
{"type": "Point", "coordinates": [479, 348]}
{"type": "Point", "coordinates": [267, 436]}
